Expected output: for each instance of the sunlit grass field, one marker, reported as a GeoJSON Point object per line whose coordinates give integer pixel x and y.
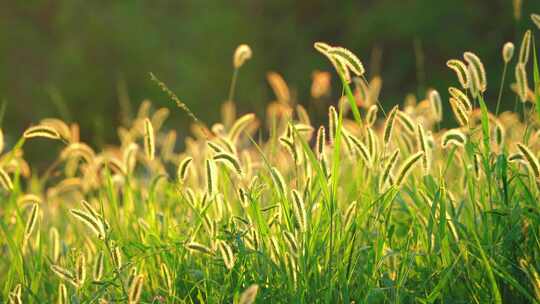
{"type": "Point", "coordinates": [378, 205]}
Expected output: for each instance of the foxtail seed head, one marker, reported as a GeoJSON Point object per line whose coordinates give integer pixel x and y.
{"type": "Point", "coordinates": [183, 168]}
{"type": "Point", "coordinates": [522, 83]}
{"type": "Point", "coordinates": [407, 167]}
{"type": "Point", "coordinates": [5, 180]}
{"type": "Point", "coordinates": [279, 86]}
{"type": "Point", "coordinates": [461, 98]}
{"type": "Point", "coordinates": [531, 160]}
{"type": "Point", "coordinates": [461, 71]}
{"type": "Point", "coordinates": [371, 115]}
{"type": "Point", "coordinates": [80, 267]}
{"type": "Point", "coordinates": [453, 137]}
{"type": "Point", "coordinates": [31, 222]}
{"type": "Point", "coordinates": [384, 180]}
{"type": "Point", "coordinates": [41, 131]}
{"type": "Point", "coordinates": [99, 266]}
{"type": "Point", "coordinates": [478, 73]}
{"type": "Point", "coordinates": [348, 59]}
{"type": "Point", "coordinates": [406, 122]}
{"type": "Point", "coordinates": [536, 19]}
{"type": "Point", "coordinates": [299, 209]}
{"type": "Point", "coordinates": [508, 52]}
{"type": "Point", "coordinates": [459, 112]}
{"type": "Point", "coordinates": [249, 295]}
{"type": "Point", "coordinates": [525, 48]}
{"type": "Point", "coordinates": [211, 177]}
{"type": "Point", "coordinates": [241, 54]}
{"type": "Point", "coordinates": [436, 104]}
{"type": "Point", "coordinates": [149, 140]}
{"type": "Point", "coordinates": [389, 125]}
{"type": "Point", "coordinates": [135, 289]}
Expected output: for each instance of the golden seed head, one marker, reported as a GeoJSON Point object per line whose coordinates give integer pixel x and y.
{"type": "Point", "coordinates": [508, 52]}
{"type": "Point", "coordinates": [241, 54]}
{"type": "Point", "coordinates": [41, 131]}
{"type": "Point", "coordinates": [525, 48]}
{"type": "Point", "coordinates": [149, 139]}
{"type": "Point", "coordinates": [536, 19]}
{"type": "Point", "coordinates": [249, 295]}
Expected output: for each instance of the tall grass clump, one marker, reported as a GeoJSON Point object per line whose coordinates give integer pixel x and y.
{"type": "Point", "coordinates": [376, 205]}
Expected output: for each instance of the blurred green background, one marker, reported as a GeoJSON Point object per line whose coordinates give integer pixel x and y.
{"type": "Point", "coordinates": [68, 58]}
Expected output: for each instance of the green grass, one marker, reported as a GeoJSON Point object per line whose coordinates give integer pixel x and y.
{"type": "Point", "coordinates": [458, 232]}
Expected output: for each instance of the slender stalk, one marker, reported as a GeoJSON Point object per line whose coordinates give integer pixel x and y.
{"type": "Point", "coordinates": [233, 85]}
{"type": "Point", "coordinates": [501, 89]}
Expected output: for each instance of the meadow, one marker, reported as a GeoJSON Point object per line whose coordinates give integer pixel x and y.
{"type": "Point", "coordinates": [375, 206]}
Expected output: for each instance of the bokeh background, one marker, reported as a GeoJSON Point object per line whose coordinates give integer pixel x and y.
{"type": "Point", "coordinates": [72, 59]}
